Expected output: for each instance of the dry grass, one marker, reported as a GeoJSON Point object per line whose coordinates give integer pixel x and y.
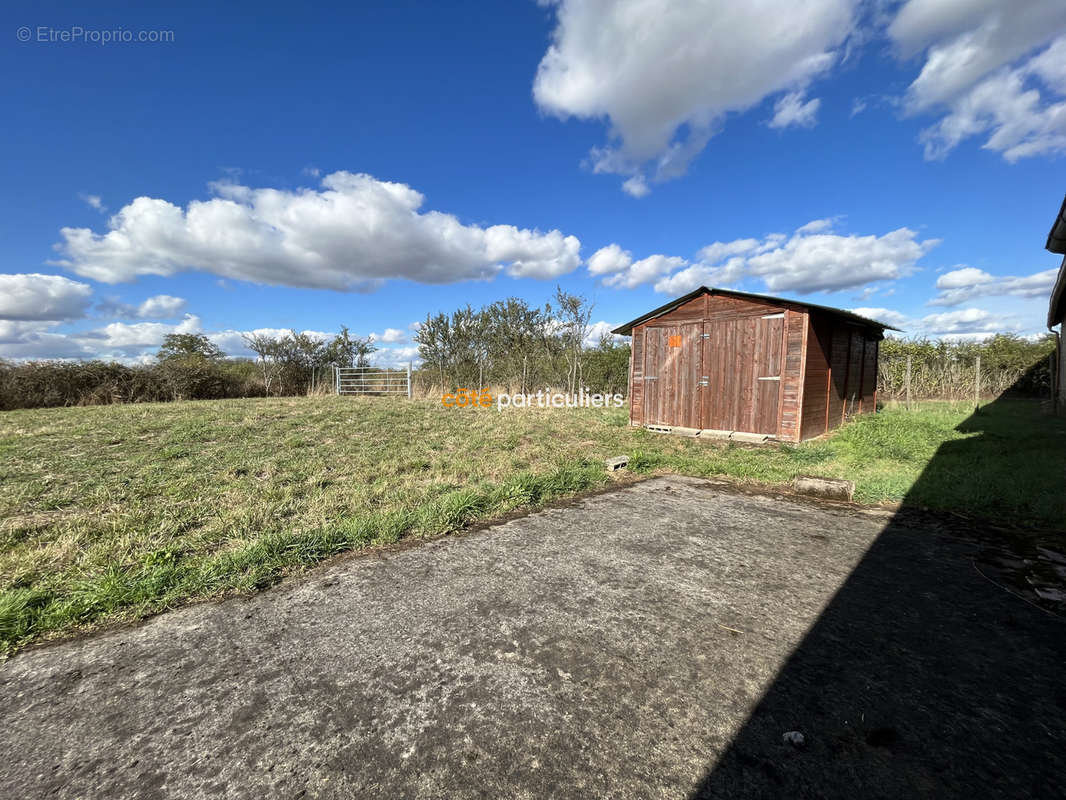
{"type": "Point", "coordinates": [115, 512]}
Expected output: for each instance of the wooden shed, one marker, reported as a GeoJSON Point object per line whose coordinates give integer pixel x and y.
{"type": "Point", "coordinates": [721, 360]}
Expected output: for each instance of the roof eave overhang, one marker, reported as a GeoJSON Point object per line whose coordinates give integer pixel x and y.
{"type": "Point", "coordinates": [627, 329]}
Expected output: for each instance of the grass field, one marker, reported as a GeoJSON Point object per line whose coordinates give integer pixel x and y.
{"type": "Point", "coordinates": [111, 513]}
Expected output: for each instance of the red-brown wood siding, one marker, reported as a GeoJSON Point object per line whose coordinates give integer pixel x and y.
{"type": "Point", "coordinates": [816, 383]}
{"type": "Point", "coordinates": [671, 374]}
{"type": "Point", "coordinates": [838, 365]}
{"type": "Point", "coordinates": [868, 399]}
{"type": "Point", "coordinates": [827, 368]}
{"type": "Point", "coordinates": [742, 366]}
{"type": "Point", "coordinates": [853, 383]}
{"type": "Point", "coordinates": [792, 376]}
{"type": "Point", "coordinates": [636, 378]}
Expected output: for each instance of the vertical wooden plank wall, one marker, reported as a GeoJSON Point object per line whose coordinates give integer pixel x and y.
{"type": "Point", "coordinates": [828, 368]}
{"type": "Point", "coordinates": [838, 366]}
{"type": "Point", "coordinates": [816, 384]}
{"type": "Point", "coordinates": [636, 377]}
{"type": "Point", "coordinates": [792, 376]}
{"type": "Point", "coordinates": [868, 398]}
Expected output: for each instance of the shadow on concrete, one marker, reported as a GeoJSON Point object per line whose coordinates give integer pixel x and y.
{"type": "Point", "coordinates": [936, 670]}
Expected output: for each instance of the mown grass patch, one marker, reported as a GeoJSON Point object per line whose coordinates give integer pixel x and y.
{"type": "Point", "coordinates": [111, 513]}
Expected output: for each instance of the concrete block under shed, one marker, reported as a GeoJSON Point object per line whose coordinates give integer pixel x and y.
{"type": "Point", "coordinates": [707, 433]}
{"type": "Point", "coordinates": [750, 438]}
{"type": "Point", "coordinates": [829, 488]}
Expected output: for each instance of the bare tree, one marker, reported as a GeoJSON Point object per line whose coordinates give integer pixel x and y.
{"type": "Point", "coordinates": [573, 316]}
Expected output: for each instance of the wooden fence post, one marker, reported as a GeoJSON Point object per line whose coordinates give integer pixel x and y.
{"type": "Point", "coordinates": [977, 384]}
{"type": "Point", "coordinates": [907, 383]}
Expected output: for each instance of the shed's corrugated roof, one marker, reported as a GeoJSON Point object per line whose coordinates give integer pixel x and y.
{"type": "Point", "coordinates": [1056, 243]}
{"type": "Point", "coordinates": [626, 329]}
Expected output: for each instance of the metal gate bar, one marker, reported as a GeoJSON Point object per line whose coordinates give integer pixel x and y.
{"type": "Point", "coordinates": [372, 380]}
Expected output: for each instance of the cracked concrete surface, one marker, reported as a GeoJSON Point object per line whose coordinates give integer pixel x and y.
{"type": "Point", "coordinates": [613, 647]}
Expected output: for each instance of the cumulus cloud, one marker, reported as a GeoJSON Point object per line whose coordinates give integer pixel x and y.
{"type": "Point", "coordinates": [116, 341]}
{"type": "Point", "coordinates": [598, 331]}
{"type": "Point", "coordinates": [886, 315]}
{"type": "Point", "coordinates": [990, 68]}
{"type": "Point", "coordinates": [960, 285]}
{"type": "Point", "coordinates": [160, 306]}
{"type": "Point", "coordinates": [34, 296]}
{"type": "Point", "coordinates": [968, 321]}
{"type": "Point", "coordinates": [811, 260]}
{"type": "Point", "coordinates": [665, 75]}
{"type": "Point", "coordinates": [793, 109]}
{"type": "Point", "coordinates": [354, 232]}
{"type": "Point", "coordinates": [643, 271]}
{"type": "Point", "coordinates": [397, 357]}
{"type": "Point", "coordinates": [392, 336]}
{"type": "Point", "coordinates": [93, 201]}
{"type": "Point", "coordinates": [124, 337]}
{"type": "Point", "coordinates": [611, 258]}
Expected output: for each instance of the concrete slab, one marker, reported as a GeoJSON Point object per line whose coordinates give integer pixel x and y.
{"type": "Point", "coordinates": [657, 641]}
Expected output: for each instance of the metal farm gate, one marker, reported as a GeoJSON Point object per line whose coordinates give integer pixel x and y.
{"type": "Point", "coordinates": [373, 380]}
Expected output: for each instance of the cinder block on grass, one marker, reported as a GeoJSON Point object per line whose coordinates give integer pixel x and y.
{"type": "Point", "coordinates": [616, 463]}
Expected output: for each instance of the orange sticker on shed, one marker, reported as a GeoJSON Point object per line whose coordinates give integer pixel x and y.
{"type": "Point", "coordinates": [674, 341]}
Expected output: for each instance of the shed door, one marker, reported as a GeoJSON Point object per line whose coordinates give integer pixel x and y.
{"type": "Point", "coordinates": [742, 369]}
{"type": "Point", "coordinates": [672, 375]}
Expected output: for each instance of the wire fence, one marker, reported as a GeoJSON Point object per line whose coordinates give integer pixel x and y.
{"type": "Point", "coordinates": [908, 379]}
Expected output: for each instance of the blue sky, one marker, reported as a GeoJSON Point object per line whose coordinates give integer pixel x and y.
{"type": "Point", "coordinates": [292, 167]}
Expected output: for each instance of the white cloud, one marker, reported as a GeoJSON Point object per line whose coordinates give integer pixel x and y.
{"type": "Point", "coordinates": [715, 252]}
{"type": "Point", "coordinates": [664, 75]}
{"type": "Point", "coordinates": [117, 341]}
{"type": "Point", "coordinates": [886, 315]}
{"type": "Point", "coordinates": [701, 274]}
{"type": "Point", "coordinates": [980, 71]}
{"type": "Point", "coordinates": [810, 260]}
{"type": "Point", "coordinates": [969, 321]}
{"type": "Point", "coordinates": [643, 271]}
{"type": "Point", "coordinates": [392, 336]}
{"type": "Point", "coordinates": [611, 258]}
{"type": "Point", "coordinates": [794, 109]}
{"type": "Point", "coordinates": [397, 357]}
{"type": "Point", "coordinates": [636, 186]}
{"type": "Point", "coordinates": [961, 285]}
{"type": "Point", "coordinates": [93, 201]}
{"type": "Point", "coordinates": [599, 330]}
{"type": "Point", "coordinates": [353, 233]}
{"type": "Point", "coordinates": [160, 306]}
{"type": "Point", "coordinates": [816, 226]}
{"type": "Point", "coordinates": [34, 296]}
{"type": "Point", "coordinates": [124, 336]}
